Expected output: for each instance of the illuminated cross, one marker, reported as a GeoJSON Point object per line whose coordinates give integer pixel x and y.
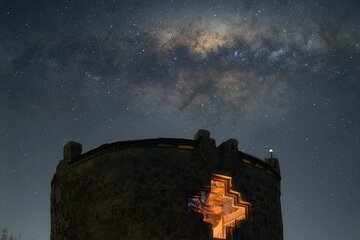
{"type": "Point", "coordinates": [222, 206]}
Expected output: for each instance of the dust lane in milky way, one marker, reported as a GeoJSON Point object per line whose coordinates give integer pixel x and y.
{"type": "Point", "coordinates": [279, 74]}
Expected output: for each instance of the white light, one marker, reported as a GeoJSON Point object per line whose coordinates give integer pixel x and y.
{"type": "Point", "coordinates": [271, 150]}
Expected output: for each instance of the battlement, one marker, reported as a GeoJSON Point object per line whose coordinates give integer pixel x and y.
{"type": "Point", "coordinates": [72, 150]}
{"type": "Point", "coordinates": [154, 189]}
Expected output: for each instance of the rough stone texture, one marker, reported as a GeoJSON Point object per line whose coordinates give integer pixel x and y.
{"type": "Point", "coordinates": [72, 150]}
{"type": "Point", "coordinates": [139, 190]}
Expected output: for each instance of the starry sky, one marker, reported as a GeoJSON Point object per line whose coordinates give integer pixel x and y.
{"type": "Point", "coordinates": [272, 74]}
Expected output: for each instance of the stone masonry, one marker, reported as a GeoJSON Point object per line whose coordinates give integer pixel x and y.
{"type": "Point", "coordinates": [139, 190]}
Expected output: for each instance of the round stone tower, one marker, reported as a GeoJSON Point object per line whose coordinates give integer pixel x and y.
{"type": "Point", "coordinates": [165, 188]}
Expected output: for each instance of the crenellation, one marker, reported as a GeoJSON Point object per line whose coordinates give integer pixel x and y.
{"type": "Point", "coordinates": [141, 190]}
{"type": "Point", "coordinates": [274, 163]}
{"type": "Point", "coordinates": [72, 150]}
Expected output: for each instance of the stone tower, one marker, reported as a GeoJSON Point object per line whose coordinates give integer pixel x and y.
{"type": "Point", "coordinates": [165, 188]}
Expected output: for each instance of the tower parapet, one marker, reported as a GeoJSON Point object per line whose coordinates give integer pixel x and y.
{"type": "Point", "coordinates": [165, 188]}
{"type": "Point", "coordinates": [72, 150]}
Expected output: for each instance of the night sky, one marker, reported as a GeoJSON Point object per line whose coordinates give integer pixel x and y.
{"type": "Point", "coordinates": [272, 74]}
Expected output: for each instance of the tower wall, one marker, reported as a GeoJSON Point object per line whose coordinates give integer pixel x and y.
{"type": "Point", "coordinates": [259, 184]}
{"type": "Point", "coordinates": [140, 189]}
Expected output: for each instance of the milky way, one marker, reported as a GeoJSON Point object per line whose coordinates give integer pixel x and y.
{"type": "Point", "coordinates": [281, 74]}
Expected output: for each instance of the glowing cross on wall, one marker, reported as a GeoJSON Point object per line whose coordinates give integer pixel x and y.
{"type": "Point", "coordinates": [221, 206]}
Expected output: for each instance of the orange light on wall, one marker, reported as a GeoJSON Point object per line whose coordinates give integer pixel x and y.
{"type": "Point", "coordinates": [221, 206]}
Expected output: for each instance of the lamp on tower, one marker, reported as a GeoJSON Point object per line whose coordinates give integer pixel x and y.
{"type": "Point", "coordinates": [271, 151]}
